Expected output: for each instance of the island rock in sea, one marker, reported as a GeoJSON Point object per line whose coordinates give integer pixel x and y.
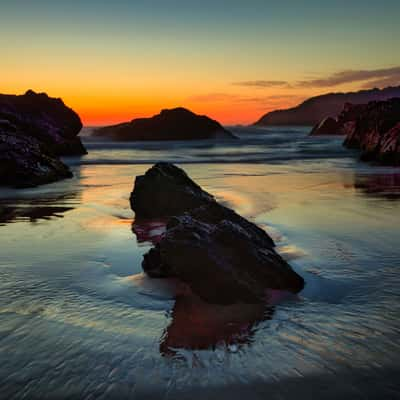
{"type": "Point", "coordinates": [49, 120]}
{"type": "Point", "coordinates": [220, 255]}
{"type": "Point", "coordinates": [26, 162]}
{"type": "Point", "coordinates": [174, 124]}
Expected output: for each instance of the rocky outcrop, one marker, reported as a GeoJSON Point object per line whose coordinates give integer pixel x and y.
{"type": "Point", "coordinates": [174, 124]}
{"type": "Point", "coordinates": [342, 124]}
{"type": "Point", "coordinates": [220, 255]}
{"type": "Point", "coordinates": [46, 119]}
{"type": "Point", "coordinates": [374, 128]}
{"type": "Point", "coordinates": [316, 109]}
{"type": "Point", "coordinates": [26, 162]}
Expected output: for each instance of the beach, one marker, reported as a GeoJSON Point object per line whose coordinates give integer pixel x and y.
{"type": "Point", "coordinates": [78, 318]}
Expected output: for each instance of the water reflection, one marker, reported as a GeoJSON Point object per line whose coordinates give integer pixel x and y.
{"type": "Point", "coordinates": [197, 325]}
{"type": "Point", "coordinates": [37, 205]}
{"type": "Point", "coordinates": [379, 185]}
{"type": "Point", "coordinates": [43, 206]}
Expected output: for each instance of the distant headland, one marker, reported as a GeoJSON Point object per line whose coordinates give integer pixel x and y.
{"type": "Point", "coordinates": [315, 109]}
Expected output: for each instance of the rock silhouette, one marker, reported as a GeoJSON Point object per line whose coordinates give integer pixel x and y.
{"type": "Point", "coordinates": [175, 124]}
{"type": "Point", "coordinates": [45, 118]}
{"type": "Point", "coordinates": [34, 130]}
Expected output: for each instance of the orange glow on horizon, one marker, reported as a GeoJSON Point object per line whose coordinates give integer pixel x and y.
{"type": "Point", "coordinates": [114, 112]}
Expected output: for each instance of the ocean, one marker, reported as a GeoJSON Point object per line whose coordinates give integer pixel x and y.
{"type": "Point", "coordinates": [78, 319]}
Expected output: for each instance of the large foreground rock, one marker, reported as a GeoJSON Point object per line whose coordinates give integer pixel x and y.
{"type": "Point", "coordinates": [220, 262]}
{"type": "Point", "coordinates": [174, 124]}
{"type": "Point", "coordinates": [220, 255]}
{"type": "Point", "coordinates": [26, 162]}
{"type": "Point", "coordinates": [47, 119]}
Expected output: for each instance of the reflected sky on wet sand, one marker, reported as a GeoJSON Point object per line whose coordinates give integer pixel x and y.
{"type": "Point", "coordinates": [76, 318]}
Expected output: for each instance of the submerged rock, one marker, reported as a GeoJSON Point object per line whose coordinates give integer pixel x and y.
{"type": "Point", "coordinates": [175, 124]}
{"type": "Point", "coordinates": [220, 255]}
{"type": "Point", "coordinates": [45, 118]}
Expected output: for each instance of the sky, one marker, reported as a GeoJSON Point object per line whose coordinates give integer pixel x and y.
{"type": "Point", "coordinates": [113, 61]}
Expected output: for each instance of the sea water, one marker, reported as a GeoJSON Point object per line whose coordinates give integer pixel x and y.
{"type": "Point", "coordinates": [79, 319]}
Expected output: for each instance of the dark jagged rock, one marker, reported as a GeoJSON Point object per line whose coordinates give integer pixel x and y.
{"type": "Point", "coordinates": [47, 119]}
{"type": "Point", "coordinates": [342, 124]}
{"type": "Point", "coordinates": [389, 152]}
{"type": "Point", "coordinates": [374, 128]}
{"type": "Point", "coordinates": [174, 124]}
{"type": "Point", "coordinates": [214, 213]}
{"type": "Point", "coordinates": [220, 262]}
{"type": "Point", "coordinates": [315, 109]}
{"type": "Point", "coordinates": [223, 257]}
{"type": "Point", "coordinates": [328, 126]}
{"type": "Point", "coordinates": [25, 162]}
{"type": "Point", "coordinates": [166, 190]}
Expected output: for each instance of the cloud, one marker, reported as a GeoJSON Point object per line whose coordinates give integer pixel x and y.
{"type": "Point", "coordinates": [212, 97]}
{"type": "Point", "coordinates": [262, 84]}
{"type": "Point", "coordinates": [381, 77]}
{"type": "Point", "coordinates": [269, 100]}
{"type": "Point", "coordinates": [383, 82]}
{"type": "Point", "coordinates": [375, 77]}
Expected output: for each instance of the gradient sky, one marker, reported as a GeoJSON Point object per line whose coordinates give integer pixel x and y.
{"type": "Point", "coordinates": [232, 60]}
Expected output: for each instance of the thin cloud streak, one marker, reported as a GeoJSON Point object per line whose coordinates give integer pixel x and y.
{"type": "Point", "coordinates": [271, 100]}
{"type": "Point", "coordinates": [212, 97]}
{"type": "Point", "coordinates": [262, 84]}
{"type": "Point", "coordinates": [350, 76]}
{"type": "Point", "coordinates": [381, 77]}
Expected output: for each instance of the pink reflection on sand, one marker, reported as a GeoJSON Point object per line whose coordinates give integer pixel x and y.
{"type": "Point", "coordinates": [196, 324]}
{"type": "Point", "coordinates": [149, 231]}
